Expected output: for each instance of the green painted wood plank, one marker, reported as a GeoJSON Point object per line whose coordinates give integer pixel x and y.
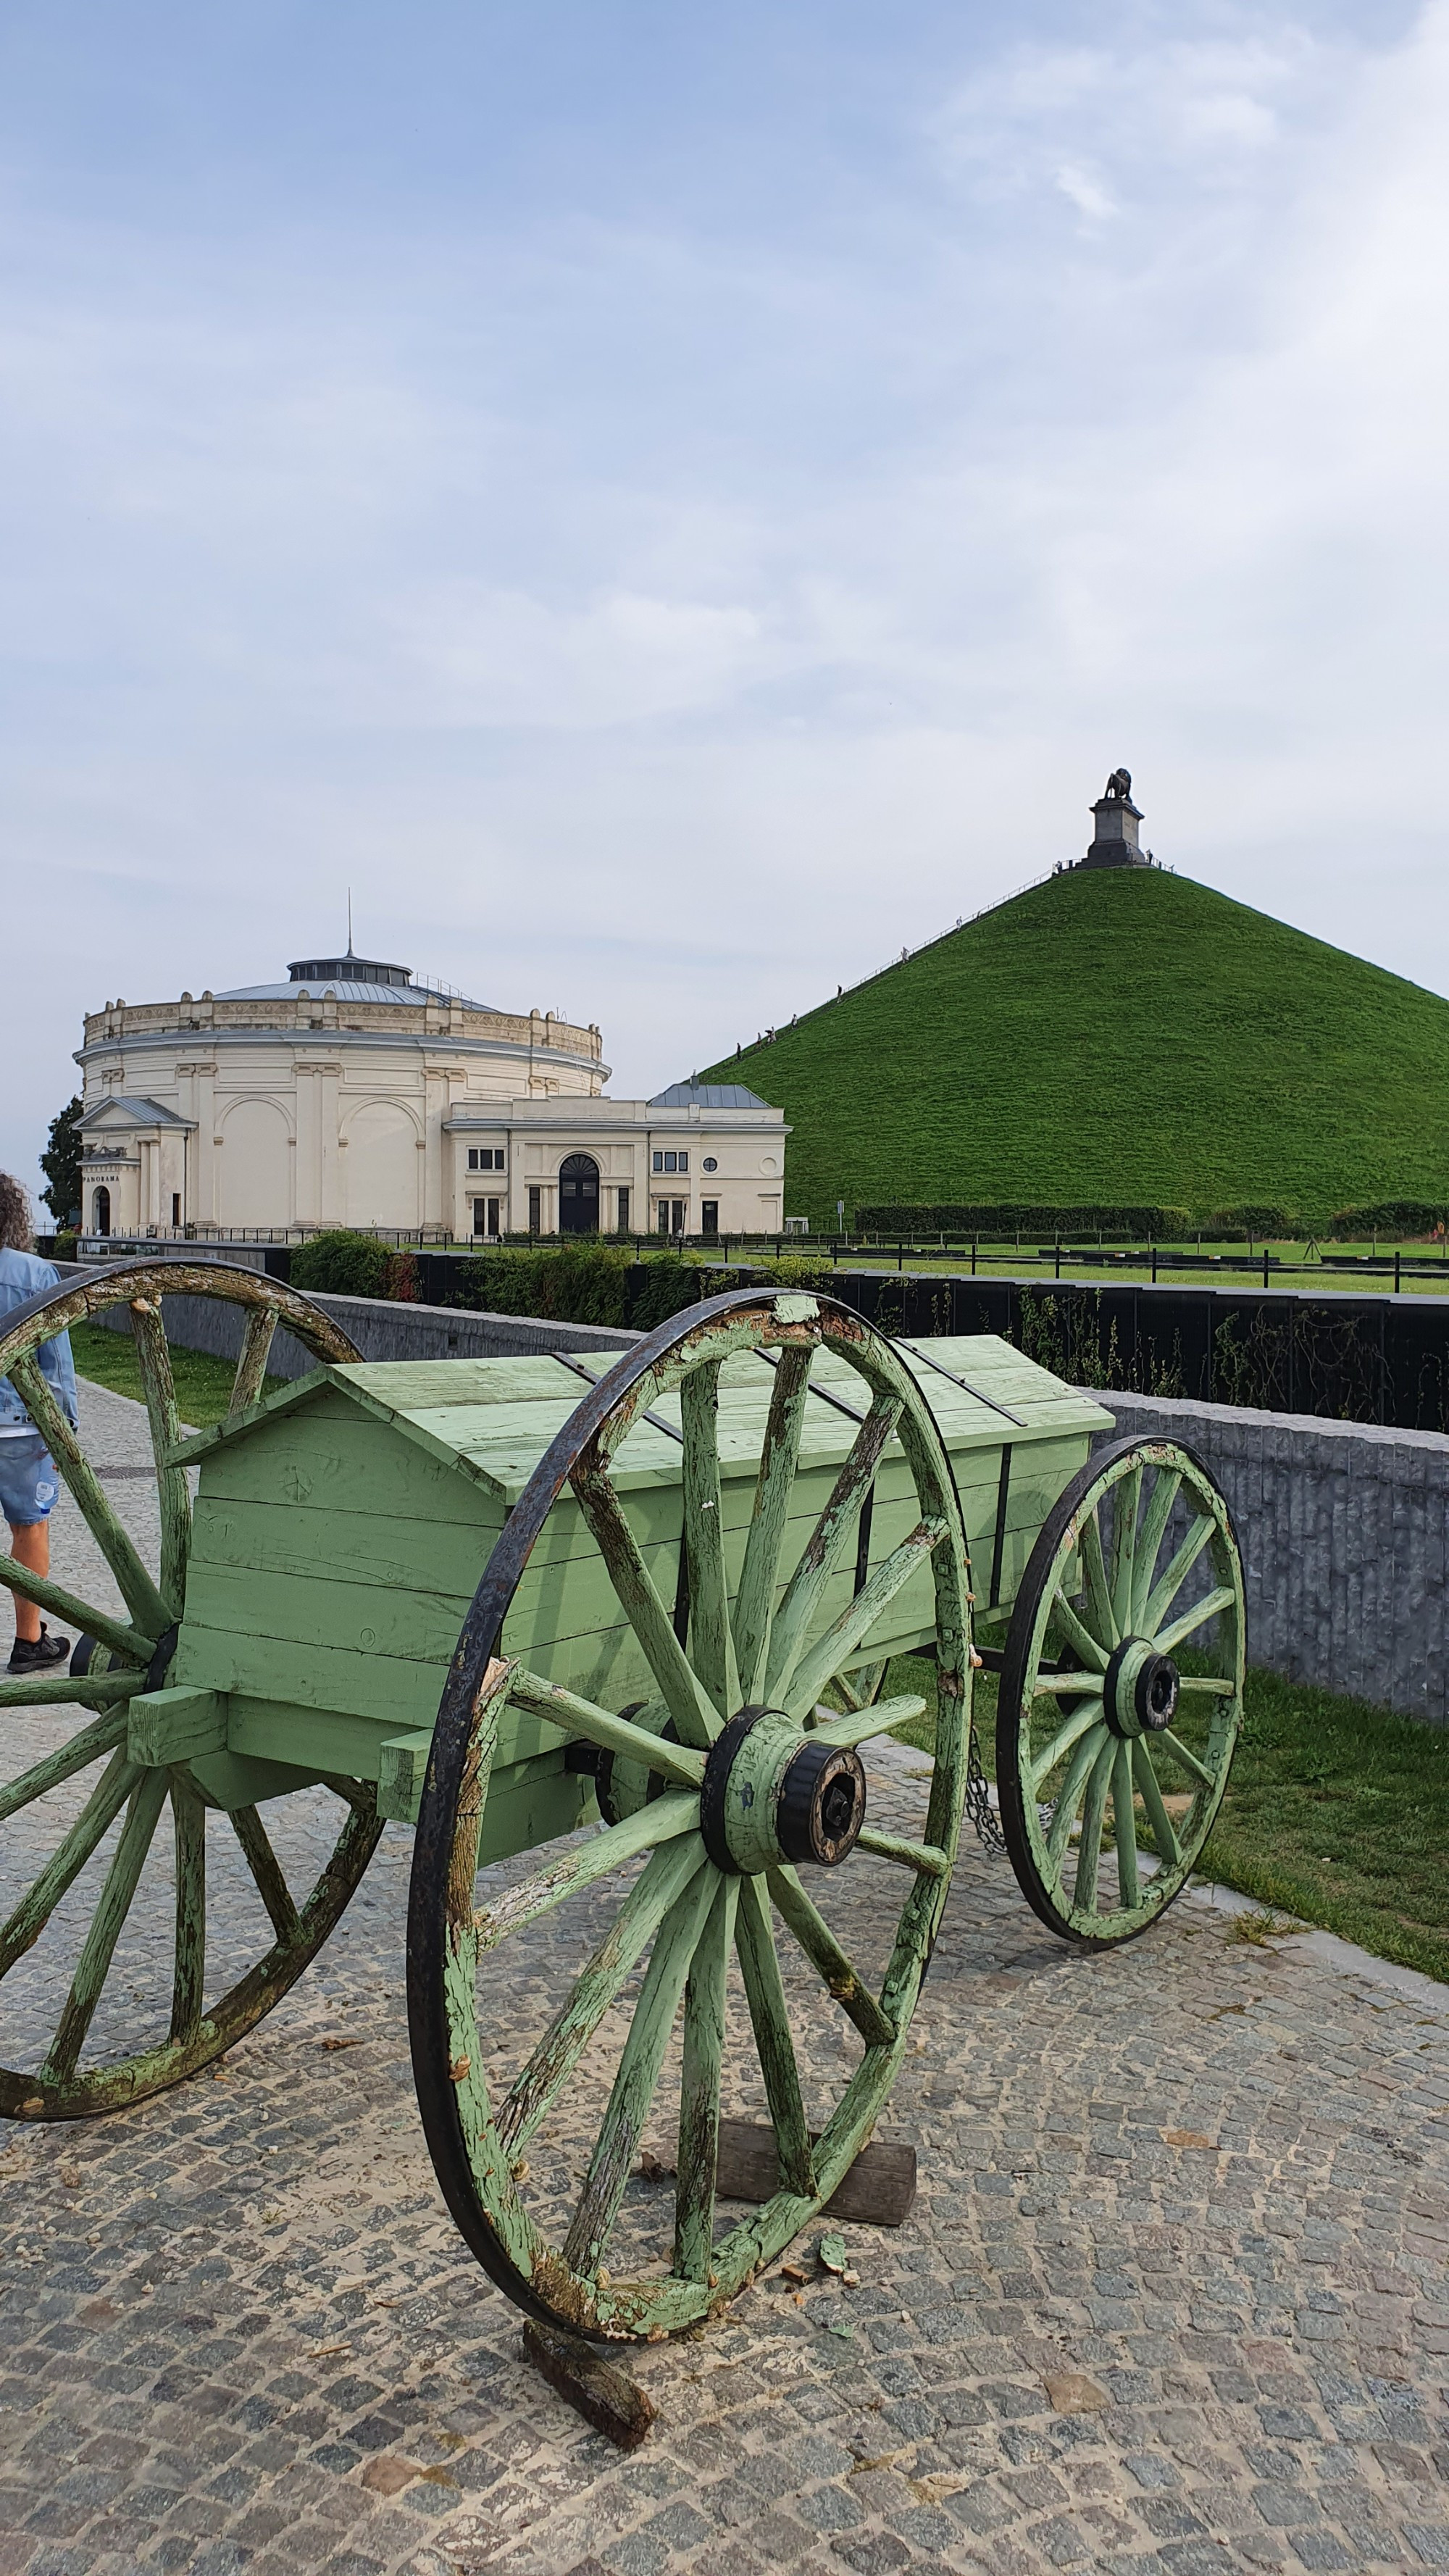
{"type": "Point", "coordinates": [347, 1464]}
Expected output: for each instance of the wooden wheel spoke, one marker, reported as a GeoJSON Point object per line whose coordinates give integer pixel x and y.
{"type": "Point", "coordinates": [1209, 1606]}
{"type": "Point", "coordinates": [67, 1759]}
{"type": "Point", "coordinates": [265, 1868]}
{"type": "Point", "coordinates": [711, 1636]}
{"type": "Point", "coordinates": [926, 1857]}
{"type": "Point", "coordinates": [1162, 1596]}
{"type": "Point", "coordinates": [863, 1723]}
{"type": "Point", "coordinates": [827, 1957]}
{"type": "Point", "coordinates": [1124, 1819]}
{"type": "Point", "coordinates": [67, 1691]}
{"type": "Point", "coordinates": [188, 1815]}
{"type": "Point", "coordinates": [153, 1355]}
{"type": "Point", "coordinates": [820, 1663]}
{"type": "Point", "coordinates": [1127, 1503]}
{"type": "Point", "coordinates": [69, 1858]}
{"type": "Point", "coordinates": [680, 1762]}
{"type": "Point", "coordinates": [1071, 1732]}
{"type": "Point", "coordinates": [1078, 1636]}
{"type": "Point", "coordinates": [139, 1593]}
{"type": "Point", "coordinates": [799, 1609]}
{"type": "Point", "coordinates": [1067, 1686]}
{"type": "Point", "coordinates": [1150, 1537]}
{"type": "Point", "coordinates": [755, 1600]}
{"type": "Point", "coordinates": [697, 2162]}
{"type": "Point", "coordinates": [251, 1367]}
{"type": "Point", "coordinates": [679, 1684]}
{"type": "Point", "coordinates": [662, 1821]}
{"type": "Point", "coordinates": [99, 1945]}
{"type": "Point", "coordinates": [1099, 1592]}
{"type": "Point", "coordinates": [1184, 1756]}
{"type": "Point", "coordinates": [1069, 1796]}
{"type": "Point", "coordinates": [1164, 1832]}
{"type": "Point", "coordinates": [1089, 1841]}
{"type": "Point", "coordinates": [99, 1624]}
{"type": "Point", "coordinates": [770, 2020]}
{"type": "Point", "coordinates": [634, 2084]}
{"type": "Point", "coordinates": [1217, 1683]}
{"type": "Point", "coordinates": [537, 2087]}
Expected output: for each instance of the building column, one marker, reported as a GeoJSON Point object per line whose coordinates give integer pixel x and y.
{"type": "Point", "coordinates": [330, 1194]}
{"type": "Point", "coordinates": [435, 1110]}
{"type": "Point", "coordinates": [309, 1148]}
{"type": "Point", "coordinates": [198, 1195]}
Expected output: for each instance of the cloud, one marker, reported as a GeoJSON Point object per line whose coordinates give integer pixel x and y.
{"type": "Point", "coordinates": [499, 658]}
{"type": "Point", "coordinates": [667, 608]}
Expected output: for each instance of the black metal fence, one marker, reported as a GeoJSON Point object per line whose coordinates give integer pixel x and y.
{"type": "Point", "coordinates": [1351, 1359]}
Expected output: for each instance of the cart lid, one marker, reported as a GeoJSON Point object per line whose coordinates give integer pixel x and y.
{"type": "Point", "coordinates": [494, 1419]}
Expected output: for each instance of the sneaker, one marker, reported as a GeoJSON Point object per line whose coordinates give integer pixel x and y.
{"type": "Point", "coordinates": [37, 1654]}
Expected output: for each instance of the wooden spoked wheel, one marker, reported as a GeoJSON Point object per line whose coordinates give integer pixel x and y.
{"type": "Point", "coordinates": [751, 1778]}
{"type": "Point", "coordinates": [1111, 1758]}
{"type": "Point", "coordinates": [78, 1791]}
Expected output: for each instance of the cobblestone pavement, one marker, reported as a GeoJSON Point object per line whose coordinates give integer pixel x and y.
{"type": "Point", "coordinates": [1171, 2300]}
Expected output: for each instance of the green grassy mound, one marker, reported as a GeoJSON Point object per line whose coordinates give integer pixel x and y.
{"type": "Point", "coordinates": [1115, 1034]}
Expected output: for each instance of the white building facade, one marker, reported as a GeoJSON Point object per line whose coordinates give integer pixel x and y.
{"type": "Point", "coordinates": [351, 1096]}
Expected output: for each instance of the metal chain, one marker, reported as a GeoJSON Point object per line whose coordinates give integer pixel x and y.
{"type": "Point", "coordinates": [978, 1799]}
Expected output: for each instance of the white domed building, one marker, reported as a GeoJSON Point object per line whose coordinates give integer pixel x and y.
{"type": "Point", "coordinates": [352, 1096]}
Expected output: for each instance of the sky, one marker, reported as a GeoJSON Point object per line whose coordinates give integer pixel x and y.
{"type": "Point", "coordinates": [671, 505]}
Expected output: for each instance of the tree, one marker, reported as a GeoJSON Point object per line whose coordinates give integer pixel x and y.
{"type": "Point", "coordinates": [61, 1164]}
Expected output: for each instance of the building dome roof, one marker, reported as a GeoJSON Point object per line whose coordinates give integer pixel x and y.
{"type": "Point", "coordinates": [352, 979]}
{"type": "Point", "coordinates": [347, 991]}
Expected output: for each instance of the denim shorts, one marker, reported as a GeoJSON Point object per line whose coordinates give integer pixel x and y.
{"type": "Point", "coordinates": [29, 1480]}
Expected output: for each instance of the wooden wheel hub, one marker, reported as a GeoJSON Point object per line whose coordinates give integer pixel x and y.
{"type": "Point", "coordinates": [1139, 1689]}
{"type": "Point", "coordinates": [772, 1796]}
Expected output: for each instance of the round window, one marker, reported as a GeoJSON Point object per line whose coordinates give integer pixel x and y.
{"type": "Point", "coordinates": [710, 1164]}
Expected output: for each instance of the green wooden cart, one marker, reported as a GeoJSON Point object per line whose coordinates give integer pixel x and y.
{"type": "Point", "coordinates": [635, 1623]}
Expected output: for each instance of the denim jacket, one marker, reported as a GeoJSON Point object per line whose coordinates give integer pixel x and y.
{"type": "Point", "coordinates": [23, 1276]}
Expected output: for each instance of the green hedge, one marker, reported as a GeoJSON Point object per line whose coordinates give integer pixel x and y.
{"type": "Point", "coordinates": [1056, 1223]}
{"type": "Point", "coordinates": [582, 1282]}
{"type": "Point", "coordinates": [354, 1265]}
{"type": "Point", "coordinates": [1253, 1225]}
{"type": "Point", "coordinates": [1403, 1217]}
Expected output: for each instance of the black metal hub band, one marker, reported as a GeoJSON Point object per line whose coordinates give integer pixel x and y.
{"type": "Point", "coordinates": [1139, 1689]}
{"type": "Point", "coordinates": [822, 1805]}
{"type": "Point", "coordinates": [718, 1764]}
{"type": "Point", "coordinates": [601, 1766]}
{"type": "Point", "coordinates": [160, 1664]}
{"type": "Point", "coordinates": [805, 1799]}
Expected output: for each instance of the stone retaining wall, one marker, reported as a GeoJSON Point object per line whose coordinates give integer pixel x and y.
{"type": "Point", "coordinates": [382, 1332]}
{"type": "Point", "coordinates": [1344, 1530]}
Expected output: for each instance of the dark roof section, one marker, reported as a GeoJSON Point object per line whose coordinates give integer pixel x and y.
{"type": "Point", "coordinates": [131, 1109]}
{"type": "Point", "coordinates": [707, 1095]}
{"type": "Point", "coordinates": [347, 970]}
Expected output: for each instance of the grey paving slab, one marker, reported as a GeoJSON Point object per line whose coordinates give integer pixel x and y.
{"type": "Point", "coordinates": [1171, 2298]}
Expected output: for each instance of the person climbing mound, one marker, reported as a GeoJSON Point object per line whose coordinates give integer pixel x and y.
{"type": "Point", "coordinates": [29, 1477]}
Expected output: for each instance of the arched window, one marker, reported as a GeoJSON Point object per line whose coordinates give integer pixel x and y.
{"type": "Point", "coordinates": [578, 1195]}
{"type": "Point", "coordinates": [101, 1215]}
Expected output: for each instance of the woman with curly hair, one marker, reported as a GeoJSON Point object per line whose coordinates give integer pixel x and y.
{"type": "Point", "coordinates": [29, 1478]}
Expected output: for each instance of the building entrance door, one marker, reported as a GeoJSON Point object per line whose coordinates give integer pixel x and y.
{"type": "Point", "coordinates": [578, 1195]}
{"type": "Point", "coordinates": [102, 1211]}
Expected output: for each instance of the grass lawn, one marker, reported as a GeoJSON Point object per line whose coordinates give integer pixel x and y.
{"type": "Point", "coordinates": [1309, 1280]}
{"type": "Point", "coordinates": [203, 1384]}
{"type": "Point", "coordinates": [1336, 1811]}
